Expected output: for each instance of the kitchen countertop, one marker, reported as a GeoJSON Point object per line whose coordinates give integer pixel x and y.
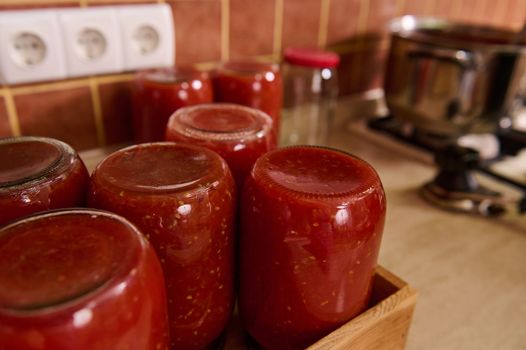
{"type": "Point", "coordinates": [469, 271]}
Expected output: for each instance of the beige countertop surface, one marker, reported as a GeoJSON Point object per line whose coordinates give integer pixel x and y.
{"type": "Point", "coordinates": [469, 271]}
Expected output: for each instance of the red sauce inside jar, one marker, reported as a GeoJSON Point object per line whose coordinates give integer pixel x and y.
{"type": "Point", "coordinates": [37, 174]}
{"type": "Point", "coordinates": [159, 92]}
{"type": "Point", "coordinates": [66, 278]}
{"type": "Point", "coordinates": [252, 84]}
{"type": "Point", "coordinates": [239, 134]}
{"type": "Point", "coordinates": [312, 220]}
{"type": "Point", "coordinates": [182, 198]}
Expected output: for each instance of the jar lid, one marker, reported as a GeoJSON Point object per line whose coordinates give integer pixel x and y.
{"type": "Point", "coordinates": [219, 122]}
{"type": "Point", "coordinates": [311, 57]}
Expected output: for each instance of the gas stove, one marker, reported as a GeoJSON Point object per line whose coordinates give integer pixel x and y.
{"type": "Point", "coordinates": [461, 161]}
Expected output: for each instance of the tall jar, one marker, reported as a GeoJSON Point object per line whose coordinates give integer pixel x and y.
{"type": "Point", "coordinates": [238, 134]}
{"type": "Point", "coordinates": [159, 92]}
{"type": "Point", "coordinates": [79, 279]}
{"type": "Point", "coordinates": [182, 197]}
{"type": "Point", "coordinates": [37, 174]}
{"type": "Point", "coordinates": [311, 91]}
{"type": "Point", "coordinates": [311, 225]}
{"type": "Point", "coordinates": [253, 84]}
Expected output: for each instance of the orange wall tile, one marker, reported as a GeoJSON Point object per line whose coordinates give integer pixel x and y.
{"type": "Point", "coordinates": [379, 14]}
{"type": "Point", "coordinates": [5, 128]}
{"type": "Point", "coordinates": [251, 28]}
{"type": "Point", "coordinates": [197, 30]}
{"type": "Point", "coordinates": [301, 22]}
{"type": "Point", "coordinates": [418, 7]}
{"type": "Point", "coordinates": [343, 20]}
{"type": "Point", "coordinates": [63, 114]}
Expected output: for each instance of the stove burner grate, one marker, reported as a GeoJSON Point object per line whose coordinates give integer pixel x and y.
{"type": "Point", "coordinates": [455, 187]}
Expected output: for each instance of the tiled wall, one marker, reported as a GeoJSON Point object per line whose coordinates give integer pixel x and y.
{"type": "Point", "coordinates": [95, 111]}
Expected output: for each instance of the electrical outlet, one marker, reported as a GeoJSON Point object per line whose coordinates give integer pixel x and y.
{"type": "Point", "coordinates": [31, 47]}
{"type": "Point", "coordinates": [148, 36]}
{"type": "Point", "coordinates": [92, 40]}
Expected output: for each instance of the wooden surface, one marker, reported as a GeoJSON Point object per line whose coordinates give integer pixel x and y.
{"type": "Point", "coordinates": [470, 272]}
{"type": "Point", "coordinates": [382, 327]}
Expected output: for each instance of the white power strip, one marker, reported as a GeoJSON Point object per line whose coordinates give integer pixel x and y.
{"type": "Point", "coordinates": [51, 44]}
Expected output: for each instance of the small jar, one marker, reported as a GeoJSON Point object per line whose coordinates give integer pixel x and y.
{"type": "Point", "coordinates": [37, 174]}
{"type": "Point", "coordinates": [253, 84]}
{"type": "Point", "coordinates": [239, 134]}
{"type": "Point", "coordinates": [79, 279]}
{"type": "Point", "coordinates": [311, 92]}
{"type": "Point", "coordinates": [182, 197]}
{"type": "Point", "coordinates": [311, 225]}
{"type": "Point", "coordinates": [159, 92]}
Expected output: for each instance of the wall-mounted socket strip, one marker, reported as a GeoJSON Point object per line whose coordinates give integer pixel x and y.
{"type": "Point", "coordinates": [92, 40]}
{"type": "Point", "coordinates": [37, 45]}
{"type": "Point", "coordinates": [31, 47]}
{"type": "Point", "coordinates": [148, 35]}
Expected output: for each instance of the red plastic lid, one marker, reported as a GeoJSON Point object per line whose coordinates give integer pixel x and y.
{"type": "Point", "coordinates": [311, 57]}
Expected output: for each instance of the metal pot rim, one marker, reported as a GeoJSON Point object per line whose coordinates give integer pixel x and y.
{"type": "Point", "coordinates": [432, 30]}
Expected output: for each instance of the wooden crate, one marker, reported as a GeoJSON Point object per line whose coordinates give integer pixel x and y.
{"type": "Point", "coordinates": [383, 326]}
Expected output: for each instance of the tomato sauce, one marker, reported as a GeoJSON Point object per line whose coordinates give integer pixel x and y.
{"type": "Point", "coordinates": [159, 92]}
{"type": "Point", "coordinates": [79, 279]}
{"type": "Point", "coordinates": [252, 84]}
{"type": "Point", "coordinates": [238, 134]}
{"type": "Point", "coordinates": [311, 225]}
{"type": "Point", "coordinates": [182, 197]}
{"type": "Point", "coordinates": [37, 174]}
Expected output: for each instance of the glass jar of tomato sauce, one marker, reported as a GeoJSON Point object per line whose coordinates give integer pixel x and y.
{"type": "Point", "coordinates": [239, 134]}
{"type": "Point", "coordinates": [311, 225]}
{"type": "Point", "coordinates": [79, 279]}
{"type": "Point", "coordinates": [159, 92]}
{"type": "Point", "coordinates": [182, 197]}
{"type": "Point", "coordinates": [37, 174]}
{"type": "Point", "coordinates": [253, 84]}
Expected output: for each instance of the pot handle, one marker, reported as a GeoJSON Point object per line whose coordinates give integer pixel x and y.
{"type": "Point", "coordinates": [465, 59]}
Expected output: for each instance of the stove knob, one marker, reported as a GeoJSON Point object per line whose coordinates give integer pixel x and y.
{"type": "Point", "coordinates": [455, 165]}
{"type": "Point", "coordinates": [456, 158]}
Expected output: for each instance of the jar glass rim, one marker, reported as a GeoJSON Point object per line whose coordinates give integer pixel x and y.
{"type": "Point", "coordinates": [66, 154]}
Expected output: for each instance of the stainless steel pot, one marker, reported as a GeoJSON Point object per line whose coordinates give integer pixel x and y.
{"type": "Point", "coordinates": [452, 79]}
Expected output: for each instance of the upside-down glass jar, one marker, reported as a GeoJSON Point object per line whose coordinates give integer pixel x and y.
{"type": "Point", "coordinates": [79, 279]}
{"type": "Point", "coordinates": [239, 134]}
{"type": "Point", "coordinates": [311, 225]}
{"type": "Point", "coordinates": [311, 91]}
{"type": "Point", "coordinates": [253, 84]}
{"type": "Point", "coordinates": [37, 174]}
{"type": "Point", "coordinates": [159, 92]}
{"type": "Point", "coordinates": [182, 197]}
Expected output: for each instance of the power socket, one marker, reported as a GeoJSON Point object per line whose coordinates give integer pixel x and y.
{"type": "Point", "coordinates": [92, 40]}
{"type": "Point", "coordinates": [148, 36]}
{"type": "Point", "coordinates": [31, 47]}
